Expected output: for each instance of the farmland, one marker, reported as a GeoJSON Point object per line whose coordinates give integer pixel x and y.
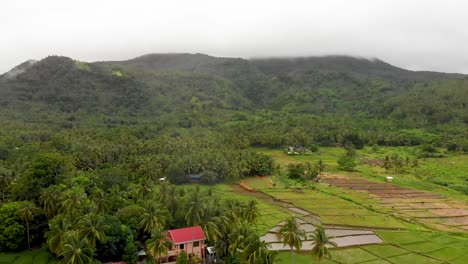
{"type": "Point", "coordinates": [418, 221]}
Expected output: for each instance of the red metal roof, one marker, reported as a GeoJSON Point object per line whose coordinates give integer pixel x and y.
{"type": "Point", "coordinates": [187, 234]}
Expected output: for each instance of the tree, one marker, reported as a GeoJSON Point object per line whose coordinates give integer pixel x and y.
{"type": "Point", "coordinates": [159, 244]}
{"type": "Point", "coordinates": [55, 237]}
{"type": "Point", "coordinates": [211, 229]}
{"type": "Point", "coordinates": [183, 258]}
{"type": "Point", "coordinates": [50, 199]}
{"type": "Point", "coordinates": [6, 178]}
{"type": "Point", "coordinates": [291, 234]}
{"type": "Point", "coordinates": [93, 228]}
{"type": "Point", "coordinates": [76, 250]}
{"type": "Point", "coordinates": [195, 210]}
{"type": "Point", "coordinates": [74, 202]}
{"type": "Point", "coordinates": [251, 211]}
{"type": "Point", "coordinates": [346, 163]}
{"type": "Point", "coordinates": [256, 251]}
{"type": "Point", "coordinates": [46, 169]}
{"type": "Point", "coordinates": [320, 167]}
{"type": "Point", "coordinates": [11, 230]}
{"type": "Point", "coordinates": [397, 162]}
{"type": "Point", "coordinates": [321, 241]}
{"type": "Point", "coordinates": [387, 164]}
{"type": "Point", "coordinates": [208, 177]}
{"type": "Point", "coordinates": [153, 217]}
{"type": "Point", "coordinates": [26, 213]}
{"type": "Point", "coordinates": [130, 251]}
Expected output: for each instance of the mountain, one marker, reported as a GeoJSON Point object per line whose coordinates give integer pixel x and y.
{"type": "Point", "coordinates": [198, 87]}
{"type": "Point", "coordinates": [18, 69]}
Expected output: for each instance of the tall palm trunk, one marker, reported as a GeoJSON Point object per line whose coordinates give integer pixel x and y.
{"type": "Point", "coordinates": [27, 229]}
{"type": "Point", "coordinates": [292, 255]}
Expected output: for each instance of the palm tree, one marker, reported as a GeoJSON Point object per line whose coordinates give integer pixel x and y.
{"type": "Point", "coordinates": [50, 199]}
{"type": "Point", "coordinates": [101, 201]}
{"type": "Point", "coordinates": [256, 251]}
{"type": "Point", "coordinates": [320, 167]}
{"type": "Point", "coordinates": [195, 210]}
{"type": "Point", "coordinates": [26, 213]}
{"type": "Point", "coordinates": [74, 201]}
{"type": "Point", "coordinates": [56, 235]}
{"type": "Point", "coordinates": [211, 229]}
{"type": "Point", "coordinates": [172, 200]}
{"type": "Point", "coordinates": [76, 250]}
{"type": "Point", "coordinates": [159, 244]}
{"type": "Point", "coordinates": [153, 217]}
{"type": "Point", "coordinates": [93, 228]}
{"type": "Point", "coordinates": [321, 241]}
{"type": "Point", "coordinates": [251, 211]}
{"type": "Point", "coordinates": [238, 238]}
{"type": "Point", "coordinates": [291, 234]}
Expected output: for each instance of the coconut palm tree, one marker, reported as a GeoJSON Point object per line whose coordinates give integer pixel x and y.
{"type": "Point", "coordinates": [195, 210]}
{"type": "Point", "coordinates": [50, 199]}
{"type": "Point", "coordinates": [256, 251]}
{"type": "Point", "coordinates": [159, 244]}
{"type": "Point", "coordinates": [320, 167]}
{"type": "Point", "coordinates": [56, 234]}
{"type": "Point", "coordinates": [153, 217]}
{"type": "Point", "coordinates": [211, 229]}
{"type": "Point", "coordinates": [26, 213]}
{"type": "Point", "coordinates": [101, 203]}
{"type": "Point", "coordinates": [93, 228]}
{"type": "Point", "coordinates": [74, 201]}
{"type": "Point", "coordinates": [76, 250]}
{"type": "Point", "coordinates": [321, 240]}
{"type": "Point", "coordinates": [172, 199]}
{"type": "Point", "coordinates": [251, 211]}
{"type": "Point", "coordinates": [291, 234]}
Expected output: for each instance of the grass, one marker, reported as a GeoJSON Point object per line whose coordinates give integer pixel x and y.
{"type": "Point", "coordinates": [413, 258]}
{"type": "Point", "coordinates": [27, 257]}
{"type": "Point", "coordinates": [384, 251]}
{"type": "Point", "coordinates": [331, 209]}
{"type": "Point", "coordinates": [284, 257]}
{"type": "Point", "coordinates": [257, 182]}
{"type": "Point", "coordinates": [437, 245]}
{"type": "Point", "coordinates": [352, 255]}
{"type": "Point", "coordinates": [446, 176]}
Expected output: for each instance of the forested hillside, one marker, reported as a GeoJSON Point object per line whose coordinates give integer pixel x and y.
{"type": "Point", "coordinates": [195, 90]}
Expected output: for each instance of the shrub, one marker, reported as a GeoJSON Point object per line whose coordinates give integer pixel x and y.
{"type": "Point", "coordinates": [346, 163]}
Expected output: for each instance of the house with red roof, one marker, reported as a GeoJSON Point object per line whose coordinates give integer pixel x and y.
{"type": "Point", "coordinates": [189, 239]}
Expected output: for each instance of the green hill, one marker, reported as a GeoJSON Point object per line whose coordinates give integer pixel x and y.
{"type": "Point", "coordinates": [186, 90]}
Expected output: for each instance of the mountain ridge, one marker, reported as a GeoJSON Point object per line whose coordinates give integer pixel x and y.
{"type": "Point", "coordinates": [192, 85]}
{"type": "Point", "coordinates": [160, 56]}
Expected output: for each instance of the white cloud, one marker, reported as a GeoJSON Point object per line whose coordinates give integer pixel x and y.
{"type": "Point", "coordinates": [429, 35]}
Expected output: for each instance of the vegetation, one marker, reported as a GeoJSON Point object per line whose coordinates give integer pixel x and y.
{"type": "Point", "coordinates": [321, 241]}
{"type": "Point", "coordinates": [83, 146]}
{"type": "Point", "coordinates": [292, 235]}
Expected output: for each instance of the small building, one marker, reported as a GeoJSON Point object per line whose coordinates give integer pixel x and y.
{"type": "Point", "coordinates": [194, 178]}
{"type": "Point", "coordinates": [189, 239]}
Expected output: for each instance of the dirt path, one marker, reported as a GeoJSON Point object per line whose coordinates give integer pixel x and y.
{"type": "Point", "coordinates": [433, 210]}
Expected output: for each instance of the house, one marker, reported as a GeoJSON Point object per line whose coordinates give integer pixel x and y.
{"type": "Point", "coordinates": [189, 239]}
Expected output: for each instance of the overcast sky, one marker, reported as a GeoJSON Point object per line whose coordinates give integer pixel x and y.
{"type": "Point", "coordinates": [416, 34]}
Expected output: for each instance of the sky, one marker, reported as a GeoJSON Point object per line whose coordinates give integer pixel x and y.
{"type": "Point", "coordinates": [416, 34]}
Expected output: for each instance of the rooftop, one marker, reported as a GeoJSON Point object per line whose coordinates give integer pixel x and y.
{"type": "Point", "coordinates": [187, 234]}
